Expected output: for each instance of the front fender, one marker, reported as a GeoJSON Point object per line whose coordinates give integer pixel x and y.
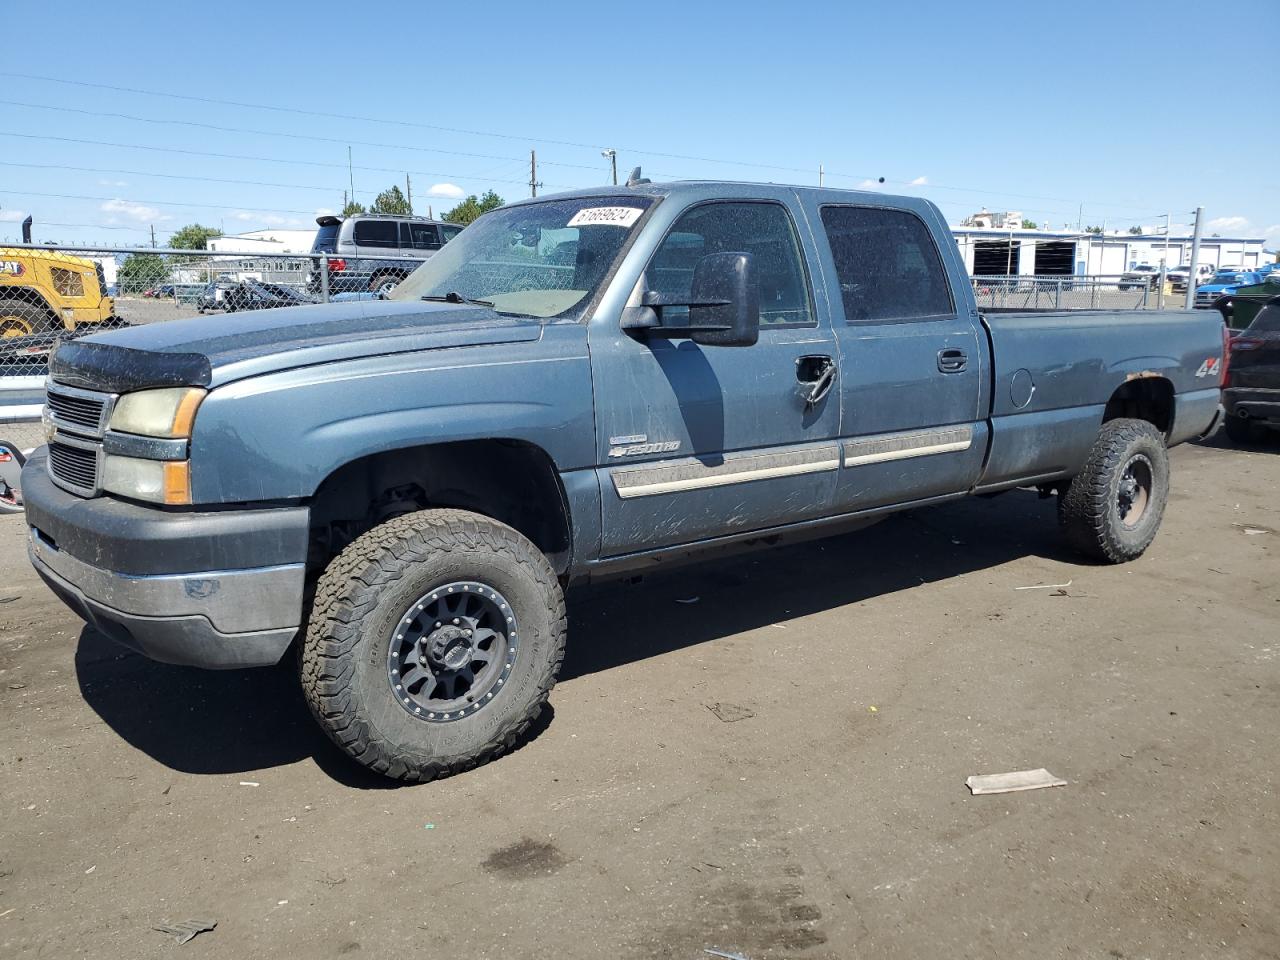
{"type": "Point", "coordinates": [278, 436]}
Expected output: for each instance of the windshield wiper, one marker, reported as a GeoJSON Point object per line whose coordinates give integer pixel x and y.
{"type": "Point", "coordinates": [453, 296]}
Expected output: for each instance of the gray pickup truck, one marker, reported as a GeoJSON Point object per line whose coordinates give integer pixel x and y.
{"type": "Point", "coordinates": [578, 386]}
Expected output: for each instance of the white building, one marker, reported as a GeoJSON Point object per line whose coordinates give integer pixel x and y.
{"type": "Point", "coordinates": [266, 241]}
{"type": "Point", "coordinates": [990, 251]}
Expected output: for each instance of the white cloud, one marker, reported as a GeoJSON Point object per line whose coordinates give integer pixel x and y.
{"type": "Point", "coordinates": [868, 185]}
{"type": "Point", "coordinates": [450, 190]}
{"type": "Point", "coordinates": [325, 212]}
{"type": "Point", "coordinates": [134, 211]}
{"type": "Point", "coordinates": [920, 181]}
{"type": "Point", "coordinates": [1229, 223]}
{"type": "Point", "coordinates": [242, 215]}
{"type": "Point", "coordinates": [12, 216]}
{"type": "Point", "coordinates": [1272, 231]}
{"type": "Point", "coordinates": [112, 183]}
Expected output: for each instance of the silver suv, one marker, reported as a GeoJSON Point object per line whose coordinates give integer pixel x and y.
{"type": "Point", "coordinates": [375, 251]}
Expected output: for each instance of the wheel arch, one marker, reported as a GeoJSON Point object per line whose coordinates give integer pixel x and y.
{"type": "Point", "coordinates": [1147, 397]}
{"type": "Point", "coordinates": [509, 480]}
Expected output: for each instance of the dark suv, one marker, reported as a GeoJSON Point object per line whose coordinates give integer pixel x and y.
{"type": "Point", "coordinates": [375, 251]}
{"type": "Point", "coordinates": [1251, 395]}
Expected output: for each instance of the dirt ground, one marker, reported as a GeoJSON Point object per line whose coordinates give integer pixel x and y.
{"type": "Point", "coordinates": [821, 814]}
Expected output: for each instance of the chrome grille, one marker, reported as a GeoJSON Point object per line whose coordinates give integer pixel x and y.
{"type": "Point", "coordinates": [78, 419]}
{"type": "Point", "coordinates": [77, 411]}
{"type": "Point", "coordinates": [83, 412]}
{"type": "Point", "coordinates": [74, 467]}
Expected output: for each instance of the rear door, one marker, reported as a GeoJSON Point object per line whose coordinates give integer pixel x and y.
{"type": "Point", "coordinates": [912, 358]}
{"type": "Point", "coordinates": [698, 441]}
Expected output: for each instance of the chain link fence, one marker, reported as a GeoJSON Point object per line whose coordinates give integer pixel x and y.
{"type": "Point", "coordinates": [1099, 292]}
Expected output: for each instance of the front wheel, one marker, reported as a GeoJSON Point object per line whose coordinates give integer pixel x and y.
{"type": "Point", "coordinates": [433, 642]}
{"type": "Point", "coordinates": [1112, 509]}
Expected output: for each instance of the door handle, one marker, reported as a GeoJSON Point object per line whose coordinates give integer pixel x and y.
{"type": "Point", "coordinates": [816, 375]}
{"type": "Point", "coordinates": [952, 360]}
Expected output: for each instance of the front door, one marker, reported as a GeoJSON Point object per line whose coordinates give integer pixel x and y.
{"type": "Point", "coordinates": [912, 361]}
{"type": "Point", "coordinates": [699, 441]}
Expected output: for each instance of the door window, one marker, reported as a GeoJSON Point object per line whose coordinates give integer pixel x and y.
{"type": "Point", "coordinates": [449, 232]}
{"type": "Point", "coordinates": [762, 229]}
{"type": "Point", "coordinates": [887, 265]}
{"type": "Point", "coordinates": [424, 236]}
{"type": "Point", "coordinates": [376, 233]}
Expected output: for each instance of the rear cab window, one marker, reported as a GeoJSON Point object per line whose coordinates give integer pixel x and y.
{"type": "Point", "coordinates": [887, 265]}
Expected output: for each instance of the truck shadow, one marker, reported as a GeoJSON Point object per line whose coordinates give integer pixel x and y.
{"type": "Point", "coordinates": [204, 722]}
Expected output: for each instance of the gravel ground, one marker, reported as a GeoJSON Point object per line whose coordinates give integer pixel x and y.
{"type": "Point", "coordinates": [776, 769]}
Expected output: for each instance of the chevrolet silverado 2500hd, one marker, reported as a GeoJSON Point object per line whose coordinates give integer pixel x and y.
{"type": "Point", "coordinates": [577, 386]}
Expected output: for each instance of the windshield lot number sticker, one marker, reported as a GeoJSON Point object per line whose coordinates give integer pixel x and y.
{"type": "Point", "coordinates": [1209, 368]}
{"type": "Point", "coordinates": [605, 217]}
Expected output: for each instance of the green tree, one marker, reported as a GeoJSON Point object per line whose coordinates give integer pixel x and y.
{"type": "Point", "coordinates": [1135, 230]}
{"type": "Point", "coordinates": [473, 207]}
{"type": "Point", "coordinates": [1093, 230]}
{"type": "Point", "coordinates": [1030, 225]}
{"type": "Point", "coordinates": [390, 200]}
{"type": "Point", "coordinates": [140, 271]}
{"type": "Point", "coordinates": [193, 237]}
{"type": "Point", "coordinates": [353, 209]}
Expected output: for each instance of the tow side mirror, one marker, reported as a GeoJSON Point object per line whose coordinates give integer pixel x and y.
{"type": "Point", "coordinates": [723, 302]}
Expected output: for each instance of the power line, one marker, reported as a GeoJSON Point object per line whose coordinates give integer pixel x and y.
{"type": "Point", "coordinates": [280, 133]}
{"type": "Point", "coordinates": [807, 171]}
{"type": "Point", "coordinates": [240, 156]}
{"type": "Point", "coordinates": [165, 176]}
{"type": "Point", "coordinates": [160, 203]}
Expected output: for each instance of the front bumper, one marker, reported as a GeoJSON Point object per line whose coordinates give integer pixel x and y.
{"type": "Point", "coordinates": [218, 589]}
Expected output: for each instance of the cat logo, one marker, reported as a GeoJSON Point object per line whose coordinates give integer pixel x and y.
{"type": "Point", "coordinates": [1209, 368]}
{"type": "Point", "coordinates": [11, 268]}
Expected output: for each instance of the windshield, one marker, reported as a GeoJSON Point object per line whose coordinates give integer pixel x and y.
{"type": "Point", "coordinates": [1224, 278]}
{"type": "Point", "coordinates": [538, 260]}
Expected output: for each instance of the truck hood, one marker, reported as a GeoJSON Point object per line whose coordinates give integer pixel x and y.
{"type": "Point", "coordinates": [211, 350]}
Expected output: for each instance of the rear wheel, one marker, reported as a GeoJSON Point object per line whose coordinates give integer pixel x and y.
{"type": "Point", "coordinates": [1112, 509]}
{"type": "Point", "coordinates": [433, 642]}
{"type": "Point", "coordinates": [18, 318]}
{"type": "Point", "coordinates": [383, 283]}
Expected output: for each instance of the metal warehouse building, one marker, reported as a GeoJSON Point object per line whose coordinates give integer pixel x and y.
{"type": "Point", "coordinates": [990, 251]}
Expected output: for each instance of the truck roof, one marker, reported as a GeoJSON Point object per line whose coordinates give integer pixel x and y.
{"type": "Point", "coordinates": [713, 189]}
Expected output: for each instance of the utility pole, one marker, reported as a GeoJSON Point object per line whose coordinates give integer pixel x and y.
{"type": "Point", "coordinates": [533, 173]}
{"type": "Point", "coordinates": [153, 236]}
{"type": "Point", "coordinates": [1164, 264]}
{"type": "Point", "coordinates": [408, 193]}
{"type": "Point", "coordinates": [1195, 261]}
{"type": "Point", "coordinates": [351, 180]}
{"type": "Point", "coordinates": [612, 156]}
{"type": "Point", "coordinates": [820, 173]}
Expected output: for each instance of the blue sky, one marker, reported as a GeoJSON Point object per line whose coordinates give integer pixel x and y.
{"type": "Point", "coordinates": [1124, 108]}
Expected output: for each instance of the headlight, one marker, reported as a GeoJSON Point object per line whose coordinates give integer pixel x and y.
{"type": "Point", "coordinates": [157, 481]}
{"type": "Point", "coordinates": [169, 412]}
